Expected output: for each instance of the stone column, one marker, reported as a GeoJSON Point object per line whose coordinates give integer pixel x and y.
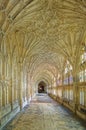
{"type": "Point", "coordinates": [11, 91]}
{"type": "Point", "coordinates": [0, 96]}
{"type": "Point", "coordinates": [3, 83]}
{"type": "Point", "coordinates": [4, 96]}
{"type": "Point", "coordinates": [27, 86]}
{"type": "Point", "coordinates": [7, 95]}
{"type": "Point", "coordinates": [20, 90]}
{"type": "Point", "coordinates": [27, 89]}
{"type": "Point", "coordinates": [62, 85]}
{"type": "Point", "coordinates": [75, 91]}
{"type": "Point", "coordinates": [0, 84]}
{"type": "Point", "coordinates": [8, 85]}
{"type": "Point", "coordinates": [24, 83]}
{"type": "Point", "coordinates": [16, 82]}
{"type": "Point", "coordinates": [6, 82]}
{"type": "Point", "coordinates": [85, 96]}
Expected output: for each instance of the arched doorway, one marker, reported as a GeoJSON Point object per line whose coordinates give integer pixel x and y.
{"type": "Point", "coordinates": [42, 87]}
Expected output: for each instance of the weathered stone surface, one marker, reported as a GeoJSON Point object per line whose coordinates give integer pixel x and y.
{"type": "Point", "coordinates": [45, 114]}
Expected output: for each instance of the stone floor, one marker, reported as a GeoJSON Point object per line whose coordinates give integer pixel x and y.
{"type": "Point", "coordinates": [45, 114]}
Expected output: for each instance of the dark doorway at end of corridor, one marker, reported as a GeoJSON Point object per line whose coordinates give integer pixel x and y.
{"type": "Point", "coordinates": [42, 87]}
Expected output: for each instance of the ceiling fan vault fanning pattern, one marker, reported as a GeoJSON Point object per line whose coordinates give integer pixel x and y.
{"type": "Point", "coordinates": [42, 34]}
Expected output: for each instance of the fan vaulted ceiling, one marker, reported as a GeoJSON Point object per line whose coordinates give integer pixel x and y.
{"type": "Point", "coordinates": [43, 33]}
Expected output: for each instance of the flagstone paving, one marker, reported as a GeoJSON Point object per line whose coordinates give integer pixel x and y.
{"type": "Point", "coordinates": [45, 114]}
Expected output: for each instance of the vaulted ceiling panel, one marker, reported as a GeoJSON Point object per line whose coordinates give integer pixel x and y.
{"type": "Point", "coordinates": [43, 32]}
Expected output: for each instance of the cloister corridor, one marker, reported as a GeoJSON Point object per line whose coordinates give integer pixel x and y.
{"type": "Point", "coordinates": [43, 50]}
{"type": "Point", "coordinates": [45, 114]}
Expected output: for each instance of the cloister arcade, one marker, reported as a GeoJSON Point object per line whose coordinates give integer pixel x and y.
{"type": "Point", "coordinates": [42, 40]}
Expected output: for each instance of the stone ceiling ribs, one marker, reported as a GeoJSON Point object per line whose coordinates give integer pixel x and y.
{"type": "Point", "coordinates": [43, 32]}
